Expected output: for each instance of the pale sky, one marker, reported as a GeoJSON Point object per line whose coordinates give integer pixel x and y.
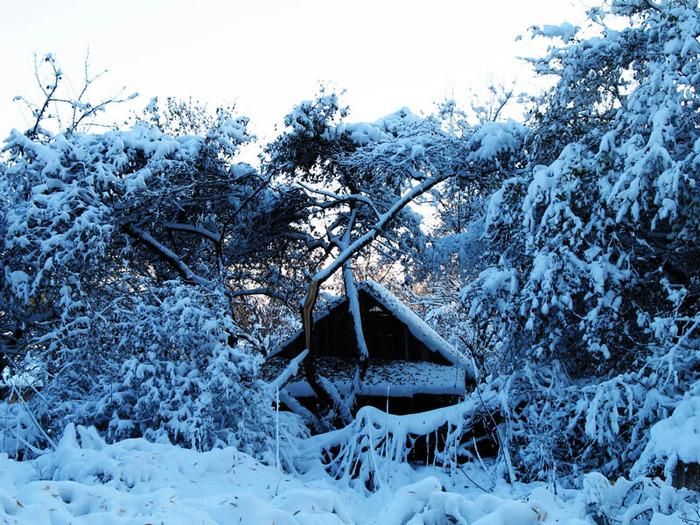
{"type": "Point", "coordinates": [266, 55]}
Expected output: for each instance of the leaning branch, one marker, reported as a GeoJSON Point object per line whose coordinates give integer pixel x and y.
{"type": "Point", "coordinates": [198, 230]}
{"type": "Point", "coordinates": [165, 253]}
{"type": "Point", "coordinates": [378, 227]}
{"type": "Point", "coordinates": [289, 372]}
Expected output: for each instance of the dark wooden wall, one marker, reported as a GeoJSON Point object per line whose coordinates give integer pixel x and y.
{"type": "Point", "coordinates": [385, 335]}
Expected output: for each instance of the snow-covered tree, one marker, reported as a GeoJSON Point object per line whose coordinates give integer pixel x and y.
{"type": "Point", "coordinates": [136, 247]}
{"type": "Point", "coordinates": [177, 374]}
{"type": "Point", "coordinates": [594, 251]}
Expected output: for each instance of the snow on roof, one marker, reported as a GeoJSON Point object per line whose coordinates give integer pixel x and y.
{"type": "Point", "coordinates": [384, 377]}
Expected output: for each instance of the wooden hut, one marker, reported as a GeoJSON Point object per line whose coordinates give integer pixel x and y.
{"type": "Point", "coordinates": [411, 368]}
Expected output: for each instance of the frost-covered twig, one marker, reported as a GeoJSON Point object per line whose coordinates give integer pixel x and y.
{"type": "Point", "coordinates": [351, 198]}
{"type": "Point", "coordinates": [41, 430]}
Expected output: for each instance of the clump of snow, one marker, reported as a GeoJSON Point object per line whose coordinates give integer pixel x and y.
{"type": "Point", "coordinates": [427, 502]}
{"type": "Point", "coordinates": [495, 138]}
{"type": "Point", "coordinates": [565, 31]}
{"type": "Point", "coordinates": [674, 439]}
{"type": "Point", "coordinates": [382, 130]}
{"type": "Point", "coordinates": [363, 133]}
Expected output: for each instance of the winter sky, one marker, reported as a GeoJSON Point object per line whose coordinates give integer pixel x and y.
{"type": "Point", "coordinates": [266, 55]}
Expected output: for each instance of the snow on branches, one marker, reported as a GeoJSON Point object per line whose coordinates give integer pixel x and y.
{"type": "Point", "coordinates": [593, 248]}
{"type": "Point", "coordinates": [125, 257]}
{"type": "Point", "coordinates": [599, 242]}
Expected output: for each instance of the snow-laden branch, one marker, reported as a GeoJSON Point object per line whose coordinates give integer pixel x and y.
{"type": "Point", "coordinates": [289, 372]}
{"type": "Point", "coordinates": [343, 198]}
{"type": "Point", "coordinates": [166, 253]}
{"type": "Point", "coordinates": [354, 305]}
{"type": "Point", "coordinates": [198, 230]}
{"type": "Point", "coordinates": [309, 241]}
{"type": "Point", "coordinates": [257, 291]}
{"type": "Point", "coordinates": [378, 227]}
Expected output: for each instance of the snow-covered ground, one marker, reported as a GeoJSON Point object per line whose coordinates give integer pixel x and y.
{"type": "Point", "coordinates": [88, 481]}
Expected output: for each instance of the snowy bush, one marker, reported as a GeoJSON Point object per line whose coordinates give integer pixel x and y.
{"type": "Point", "coordinates": [637, 500]}
{"type": "Point", "coordinates": [182, 376]}
{"type": "Point", "coordinates": [674, 439]}
{"type": "Point", "coordinates": [172, 371]}
{"type": "Point", "coordinates": [559, 428]}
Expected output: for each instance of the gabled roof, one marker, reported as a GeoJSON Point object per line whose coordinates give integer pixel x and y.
{"type": "Point", "coordinates": [416, 326]}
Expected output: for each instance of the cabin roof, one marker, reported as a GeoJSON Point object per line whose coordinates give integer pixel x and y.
{"type": "Point", "coordinates": [416, 326]}
{"type": "Point", "coordinates": [384, 378]}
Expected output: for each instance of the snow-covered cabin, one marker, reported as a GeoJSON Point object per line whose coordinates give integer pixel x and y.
{"type": "Point", "coordinates": [411, 367]}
